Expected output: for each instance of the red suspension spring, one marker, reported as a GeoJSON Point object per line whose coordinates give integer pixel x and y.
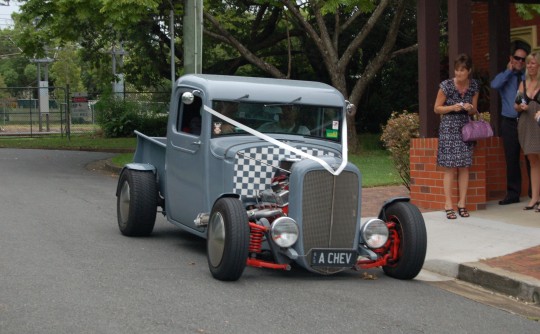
{"type": "Point", "coordinates": [256, 237]}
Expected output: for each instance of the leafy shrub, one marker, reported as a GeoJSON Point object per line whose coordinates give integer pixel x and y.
{"type": "Point", "coordinates": [116, 117]}
{"type": "Point", "coordinates": [120, 118]}
{"type": "Point", "coordinates": [396, 137]}
{"type": "Point", "coordinates": [152, 124]}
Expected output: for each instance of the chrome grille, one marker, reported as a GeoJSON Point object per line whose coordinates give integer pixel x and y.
{"type": "Point", "coordinates": [329, 211]}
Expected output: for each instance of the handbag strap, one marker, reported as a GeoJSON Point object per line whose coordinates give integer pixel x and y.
{"type": "Point", "coordinates": [478, 114]}
{"type": "Point", "coordinates": [525, 96]}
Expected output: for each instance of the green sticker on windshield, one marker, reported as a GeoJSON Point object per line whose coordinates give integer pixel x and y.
{"type": "Point", "coordinates": [332, 133]}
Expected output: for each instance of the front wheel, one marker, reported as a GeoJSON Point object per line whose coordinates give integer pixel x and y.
{"type": "Point", "coordinates": [411, 233]}
{"type": "Point", "coordinates": [136, 203]}
{"type": "Point", "coordinates": [228, 239]}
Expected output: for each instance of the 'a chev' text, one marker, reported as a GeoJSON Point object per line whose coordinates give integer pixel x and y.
{"type": "Point", "coordinates": [334, 258]}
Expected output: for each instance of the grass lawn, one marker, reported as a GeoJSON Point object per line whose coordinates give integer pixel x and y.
{"type": "Point", "coordinates": [374, 162]}
{"type": "Point", "coordinates": [76, 142]}
{"type": "Point", "coordinates": [377, 168]}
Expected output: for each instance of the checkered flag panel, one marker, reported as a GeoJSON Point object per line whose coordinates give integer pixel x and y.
{"type": "Point", "coordinates": [251, 176]}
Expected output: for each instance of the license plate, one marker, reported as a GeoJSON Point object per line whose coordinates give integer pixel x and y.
{"type": "Point", "coordinates": [333, 257]}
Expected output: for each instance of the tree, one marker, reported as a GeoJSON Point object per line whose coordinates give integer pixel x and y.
{"type": "Point", "coordinates": [334, 32]}
{"type": "Point", "coordinates": [65, 70]}
{"type": "Point", "coordinates": [11, 63]}
{"type": "Point", "coordinates": [96, 26]}
{"type": "Point", "coordinates": [345, 43]}
{"type": "Point", "coordinates": [527, 12]}
{"type": "Point", "coordinates": [30, 73]}
{"type": "Point", "coordinates": [3, 92]}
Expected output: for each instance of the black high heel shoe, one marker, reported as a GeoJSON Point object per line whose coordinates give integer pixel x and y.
{"type": "Point", "coordinates": [535, 206]}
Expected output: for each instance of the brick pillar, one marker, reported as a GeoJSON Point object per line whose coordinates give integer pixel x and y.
{"type": "Point", "coordinates": [426, 178]}
{"type": "Point", "coordinates": [495, 169]}
{"type": "Point", "coordinates": [487, 179]}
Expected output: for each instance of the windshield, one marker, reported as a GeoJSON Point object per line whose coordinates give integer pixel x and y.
{"type": "Point", "coordinates": [307, 120]}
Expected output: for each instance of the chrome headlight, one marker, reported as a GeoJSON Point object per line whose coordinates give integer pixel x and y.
{"type": "Point", "coordinates": [284, 231]}
{"type": "Point", "coordinates": [374, 233]}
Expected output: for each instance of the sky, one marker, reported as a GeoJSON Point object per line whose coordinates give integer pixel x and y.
{"type": "Point", "coordinates": [5, 13]}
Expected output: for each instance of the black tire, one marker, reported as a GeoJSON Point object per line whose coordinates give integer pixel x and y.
{"type": "Point", "coordinates": [136, 203]}
{"type": "Point", "coordinates": [228, 239]}
{"type": "Point", "coordinates": [413, 240]}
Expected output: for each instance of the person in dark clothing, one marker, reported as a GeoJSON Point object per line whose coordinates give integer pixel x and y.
{"type": "Point", "coordinates": [507, 83]}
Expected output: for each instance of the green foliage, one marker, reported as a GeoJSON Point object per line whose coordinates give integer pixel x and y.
{"type": "Point", "coordinates": [117, 118]}
{"type": "Point", "coordinates": [3, 92]}
{"type": "Point", "coordinates": [331, 6]}
{"type": "Point", "coordinates": [388, 93]}
{"type": "Point", "coordinates": [66, 70]}
{"type": "Point", "coordinates": [30, 72]}
{"type": "Point", "coordinates": [12, 63]}
{"type": "Point", "coordinates": [370, 142]}
{"type": "Point", "coordinates": [120, 118]}
{"type": "Point", "coordinates": [527, 12]}
{"type": "Point", "coordinates": [11, 77]}
{"type": "Point", "coordinates": [396, 137]}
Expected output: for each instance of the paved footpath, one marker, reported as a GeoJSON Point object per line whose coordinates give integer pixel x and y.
{"type": "Point", "coordinates": [497, 248]}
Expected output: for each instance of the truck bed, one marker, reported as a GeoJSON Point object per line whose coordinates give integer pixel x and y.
{"type": "Point", "coordinates": [151, 150]}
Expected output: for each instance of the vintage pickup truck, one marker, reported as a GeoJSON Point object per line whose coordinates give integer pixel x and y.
{"type": "Point", "coordinates": [258, 167]}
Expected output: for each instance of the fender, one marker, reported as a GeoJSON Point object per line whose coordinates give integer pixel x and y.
{"type": "Point", "coordinates": [143, 167]}
{"type": "Point", "coordinates": [203, 217]}
{"type": "Point", "coordinates": [382, 212]}
{"type": "Point", "coordinates": [226, 195]}
{"type": "Point", "coordinates": [232, 195]}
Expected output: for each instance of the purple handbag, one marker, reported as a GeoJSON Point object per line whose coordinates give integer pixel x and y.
{"type": "Point", "coordinates": [476, 130]}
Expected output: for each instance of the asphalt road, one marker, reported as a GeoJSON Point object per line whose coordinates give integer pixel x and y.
{"type": "Point", "coordinates": [65, 268]}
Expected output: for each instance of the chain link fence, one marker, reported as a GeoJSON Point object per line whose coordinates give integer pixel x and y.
{"type": "Point", "coordinates": [21, 113]}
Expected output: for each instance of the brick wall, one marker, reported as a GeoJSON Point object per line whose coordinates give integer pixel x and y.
{"type": "Point", "coordinates": [487, 180]}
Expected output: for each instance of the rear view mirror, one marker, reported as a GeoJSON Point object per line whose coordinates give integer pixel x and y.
{"type": "Point", "coordinates": [351, 108]}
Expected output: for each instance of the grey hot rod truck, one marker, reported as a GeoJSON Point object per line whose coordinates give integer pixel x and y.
{"type": "Point", "coordinates": [259, 168]}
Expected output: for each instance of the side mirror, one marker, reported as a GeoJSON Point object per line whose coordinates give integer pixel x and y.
{"type": "Point", "coordinates": [350, 108]}
{"type": "Point", "coordinates": [188, 98]}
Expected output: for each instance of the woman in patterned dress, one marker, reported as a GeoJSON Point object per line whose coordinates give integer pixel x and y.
{"type": "Point", "coordinates": [528, 130]}
{"type": "Point", "coordinates": [457, 99]}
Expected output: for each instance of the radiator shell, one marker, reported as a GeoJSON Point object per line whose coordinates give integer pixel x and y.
{"type": "Point", "coordinates": [326, 207]}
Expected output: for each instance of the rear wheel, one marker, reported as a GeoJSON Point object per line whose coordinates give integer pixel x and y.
{"type": "Point", "coordinates": [228, 239]}
{"type": "Point", "coordinates": [411, 231]}
{"type": "Point", "coordinates": [136, 203]}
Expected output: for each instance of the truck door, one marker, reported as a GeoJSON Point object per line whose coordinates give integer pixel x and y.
{"type": "Point", "coordinates": [185, 163]}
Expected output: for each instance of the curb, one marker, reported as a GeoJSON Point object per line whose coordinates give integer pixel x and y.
{"type": "Point", "coordinates": [502, 281]}
{"type": "Point", "coordinates": [112, 167]}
